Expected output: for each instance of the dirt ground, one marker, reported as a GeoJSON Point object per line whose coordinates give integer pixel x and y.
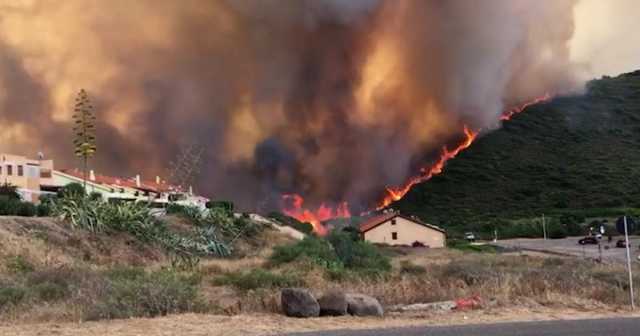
{"type": "Point", "coordinates": [271, 324]}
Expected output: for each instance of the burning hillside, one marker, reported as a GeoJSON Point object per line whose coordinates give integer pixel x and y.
{"type": "Point", "coordinates": [294, 204]}
{"type": "Point", "coordinates": [337, 101]}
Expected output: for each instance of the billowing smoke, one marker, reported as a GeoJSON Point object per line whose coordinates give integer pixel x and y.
{"type": "Point", "coordinates": [330, 99]}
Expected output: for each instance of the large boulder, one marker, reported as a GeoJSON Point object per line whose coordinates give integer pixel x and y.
{"type": "Point", "coordinates": [333, 303]}
{"type": "Point", "coordinates": [363, 305]}
{"type": "Point", "coordinates": [299, 302]}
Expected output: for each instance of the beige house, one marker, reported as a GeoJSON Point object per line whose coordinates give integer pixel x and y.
{"type": "Point", "coordinates": [27, 174]}
{"type": "Point", "coordinates": [396, 229]}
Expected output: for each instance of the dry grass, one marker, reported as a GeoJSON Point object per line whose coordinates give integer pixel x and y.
{"type": "Point", "coordinates": [48, 249]}
{"type": "Point", "coordinates": [500, 280]}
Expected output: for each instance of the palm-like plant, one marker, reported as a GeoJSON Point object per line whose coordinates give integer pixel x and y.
{"type": "Point", "coordinates": [84, 131]}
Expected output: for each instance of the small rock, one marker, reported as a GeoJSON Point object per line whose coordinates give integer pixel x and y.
{"type": "Point", "coordinates": [432, 306]}
{"type": "Point", "coordinates": [363, 305]}
{"type": "Point", "coordinates": [299, 302]}
{"type": "Point", "coordinates": [333, 303]}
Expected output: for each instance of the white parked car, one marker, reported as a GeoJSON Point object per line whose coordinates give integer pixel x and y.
{"type": "Point", "coordinates": [470, 236]}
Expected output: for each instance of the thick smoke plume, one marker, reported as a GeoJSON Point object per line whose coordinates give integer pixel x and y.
{"type": "Point", "coordinates": [333, 99]}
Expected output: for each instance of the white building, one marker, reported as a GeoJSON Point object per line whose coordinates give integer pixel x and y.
{"type": "Point", "coordinates": [395, 229]}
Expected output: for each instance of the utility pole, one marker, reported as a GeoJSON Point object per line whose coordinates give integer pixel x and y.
{"type": "Point", "coordinates": [626, 240]}
{"type": "Point", "coordinates": [544, 228]}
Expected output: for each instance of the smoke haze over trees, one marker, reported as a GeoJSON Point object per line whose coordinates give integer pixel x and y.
{"type": "Point", "coordinates": [331, 99]}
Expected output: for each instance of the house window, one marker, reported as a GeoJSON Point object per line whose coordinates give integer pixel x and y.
{"type": "Point", "coordinates": [393, 222]}
{"type": "Point", "coordinates": [20, 170]}
{"type": "Point", "coordinates": [10, 170]}
{"type": "Point", "coordinates": [394, 236]}
{"type": "Point", "coordinates": [45, 173]}
{"type": "Point", "coordinates": [0, 170]}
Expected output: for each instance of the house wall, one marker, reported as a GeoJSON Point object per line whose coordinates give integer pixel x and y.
{"type": "Point", "coordinates": [407, 231]}
{"type": "Point", "coordinates": [25, 174]}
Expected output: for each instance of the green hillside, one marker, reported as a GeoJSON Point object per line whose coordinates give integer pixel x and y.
{"type": "Point", "coordinates": [577, 155]}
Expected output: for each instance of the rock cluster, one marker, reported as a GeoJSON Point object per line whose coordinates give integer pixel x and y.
{"type": "Point", "coordinates": [300, 302]}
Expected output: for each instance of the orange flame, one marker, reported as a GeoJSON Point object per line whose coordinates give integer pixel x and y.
{"type": "Point", "coordinates": [426, 173]}
{"type": "Point", "coordinates": [507, 115]}
{"type": "Point", "coordinates": [294, 203]}
{"type": "Point", "coordinates": [293, 207]}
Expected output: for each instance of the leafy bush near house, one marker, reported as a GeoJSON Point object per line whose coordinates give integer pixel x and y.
{"type": "Point", "coordinates": [16, 207]}
{"type": "Point", "coordinates": [338, 252]}
{"type": "Point", "coordinates": [9, 192]}
{"type": "Point", "coordinates": [258, 278]}
{"type": "Point", "coordinates": [71, 190]}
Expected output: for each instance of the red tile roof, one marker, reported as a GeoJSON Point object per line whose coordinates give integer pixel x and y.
{"type": "Point", "coordinates": [379, 219]}
{"type": "Point", "coordinates": [124, 182]}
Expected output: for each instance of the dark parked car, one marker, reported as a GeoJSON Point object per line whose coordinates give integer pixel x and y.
{"type": "Point", "coordinates": [622, 243]}
{"type": "Point", "coordinates": [588, 240]}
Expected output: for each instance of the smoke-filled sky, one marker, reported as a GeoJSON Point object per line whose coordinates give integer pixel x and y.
{"type": "Point", "coordinates": [331, 99]}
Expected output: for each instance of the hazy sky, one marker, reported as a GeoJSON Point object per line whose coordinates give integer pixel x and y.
{"type": "Point", "coordinates": [607, 36]}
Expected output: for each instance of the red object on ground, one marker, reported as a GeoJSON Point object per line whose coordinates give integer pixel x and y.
{"type": "Point", "coordinates": [473, 302]}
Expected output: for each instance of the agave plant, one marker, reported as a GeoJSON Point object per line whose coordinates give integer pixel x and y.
{"type": "Point", "coordinates": [81, 213]}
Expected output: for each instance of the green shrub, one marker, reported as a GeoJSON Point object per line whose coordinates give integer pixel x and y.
{"type": "Point", "coordinates": [26, 209]}
{"type": "Point", "coordinates": [152, 294]}
{"type": "Point", "coordinates": [72, 190]}
{"type": "Point", "coordinates": [175, 209]}
{"type": "Point", "coordinates": [258, 278]}
{"type": "Point", "coordinates": [10, 295]}
{"type": "Point", "coordinates": [224, 205]}
{"type": "Point", "coordinates": [316, 249]}
{"type": "Point", "coordinates": [407, 267]}
{"type": "Point", "coordinates": [95, 196]}
{"type": "Point", "coordinates": [9, 192]}
{"type": "Point", "coordinates": [50, 291]}
{"type": "Point", "coordinates": [125, 272]}
{"type": "Point", "coordinates": [358, 255]}
{"type": "Point", "coordinates": [43, 210]}
{"type": "Point", "coordinates": [339, 250]}
{"type": "Point", "coordinates": [18, 265]}
{"type": "Point", "coordinates": [556, 230]}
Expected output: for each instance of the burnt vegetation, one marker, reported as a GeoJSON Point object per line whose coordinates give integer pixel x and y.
{"type": "Point", "coordinates": [572, 158]}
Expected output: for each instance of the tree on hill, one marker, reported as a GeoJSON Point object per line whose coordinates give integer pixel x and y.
{"type": "Point", "coordinates": [84, 131]}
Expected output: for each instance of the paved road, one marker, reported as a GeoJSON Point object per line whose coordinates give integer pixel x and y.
{"type": "Point", "coordinates": [606, 327]}
{"type": "Point", "coordinates": [570, 246]}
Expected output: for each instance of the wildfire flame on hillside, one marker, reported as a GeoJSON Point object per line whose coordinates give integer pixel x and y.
{"type": "Point", "coordinates": [294, 203]}
{"type": "Point", "coordinates": [293, 207]}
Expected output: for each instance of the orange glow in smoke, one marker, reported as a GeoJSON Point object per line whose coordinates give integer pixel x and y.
{"type": "Point", "coordinates": [294, 203]}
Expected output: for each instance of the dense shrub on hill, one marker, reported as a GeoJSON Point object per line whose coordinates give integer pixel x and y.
{"type": "Point", "coordinates": [577, 155]}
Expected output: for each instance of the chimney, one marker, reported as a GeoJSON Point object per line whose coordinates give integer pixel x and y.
{"type": "Point", "coordinates": [138, 183]}
{"type": "Point", "coordinates": [92, 175]}
{"type": "Point", "coordinates": [158, 180]}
